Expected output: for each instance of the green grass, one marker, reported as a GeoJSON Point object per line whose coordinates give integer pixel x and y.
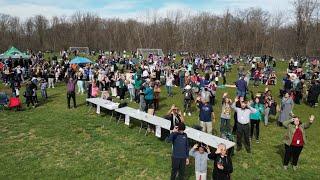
{"type": "Point", "coordinates": [52, 142]}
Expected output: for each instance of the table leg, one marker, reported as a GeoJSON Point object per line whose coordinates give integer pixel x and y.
{"type": "Point", "coordinates": [119, 119]}
{"type": "Point", "coordinates": [141, 125]}
{"type": "Point", "coordinates": [111, 115]}
{"type": "Point", "coordinates": [98, 109]}
{"type": "Point", "coordinates": [147, 130]}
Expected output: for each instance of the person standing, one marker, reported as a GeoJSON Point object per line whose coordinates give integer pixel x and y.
{"type": "Point", "coordinates": [182, 78]}
{"type": "Point", "coordinates": [188, 98]}
{"type": "Point", "coordinates": [175, 117]}
{"type": "Point", "coordinates": [294, 140]}
{"type": "Point", "coordinates": [51, 78]}
{"type": "Point", "coordinates": [157, 91]}
{"type": "Point", "coordinates": [242, 87]}
{"type": "Point", "coordinates": [180, 151]}
{"type": "Point", "coordinates": [28, 95]}
{"type": "Point", "coordinates": [206, 116]}
{"type": "Point", "coordinates": [169, 83]}
{"type": "Point", "coordinates": [243, 126]}
{"type": "Point", "coordinates": [285, 108]}
{"type": "Point", "coordinates": [80, 82]}
{"type": "Point", "coordinates": [149, 95]}
{"type": "Point", "coordinates": [255, 118]}
{"type": "Point", "coordinates": [222, 168]}
{"type": "Point", "coordinates": [137, 83]}
{"type": "Point", "coordinates": [44, 89]}
{"type": "Point", "coordinates": [71, 92]}
{"type": "Point", "coordinates": [200, 160]}
{"type": "Point", "coordinates": [225, 114]}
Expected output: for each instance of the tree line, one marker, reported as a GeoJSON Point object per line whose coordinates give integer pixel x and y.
{"type": "Point", "coordinates": [248, 31]}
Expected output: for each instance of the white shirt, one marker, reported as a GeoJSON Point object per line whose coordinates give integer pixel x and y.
{"type": "Point", "coordinates": [145, 73]}
{"type": "Point", "coordinates": [169, 80]}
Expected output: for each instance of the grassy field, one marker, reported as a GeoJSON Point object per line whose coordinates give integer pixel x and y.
{"type": "Point", "coordinates": [53, 142]}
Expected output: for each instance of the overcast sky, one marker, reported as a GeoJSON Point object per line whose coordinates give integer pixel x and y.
{"type": "Point", "coordinates": [125, 9]}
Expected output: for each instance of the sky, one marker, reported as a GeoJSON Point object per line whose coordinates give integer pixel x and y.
{"type": "Point", "coordinates": [134, 9]}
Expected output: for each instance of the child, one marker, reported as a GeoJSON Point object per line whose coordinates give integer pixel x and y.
{"type": "Point", "coordinates": [44, 89]}
{"type": "Point", "coordinates": [201, 160]}
{"type": "Point", "coordinates": [222, 163]}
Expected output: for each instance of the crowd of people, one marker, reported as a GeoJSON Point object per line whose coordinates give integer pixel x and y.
{"type": "Point", "coordinates": [198, 78]}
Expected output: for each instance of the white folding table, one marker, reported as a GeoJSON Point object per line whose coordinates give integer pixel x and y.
{"type": "Point", "coordinates": [104, 104]}
{"type": "Point", "coordinates": [159, 122]}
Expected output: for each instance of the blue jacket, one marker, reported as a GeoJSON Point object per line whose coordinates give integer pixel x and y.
{"type": "Point", "coordinates": [180, 145]}
{"type": "Point", "coordinates": [241, 85]}
{"type": "Point", "coordinates": [258, 114]}
{"type": "Point", "coordinates": [148, 92]}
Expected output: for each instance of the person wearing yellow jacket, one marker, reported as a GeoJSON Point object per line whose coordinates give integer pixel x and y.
{"type": "Point", "coordinates": [294, 140]}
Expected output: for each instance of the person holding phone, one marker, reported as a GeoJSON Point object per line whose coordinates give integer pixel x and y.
{"type": "Point", "coordinates": [243, 124]}
{"type": "Point", "coordinates": [222, 168]}
{"type": "Point", "coordinates": [294, 140]}
{"type": "Point", "coordinates": [175, 116]}
{"type": "Point", "coordinates": [201, 160]}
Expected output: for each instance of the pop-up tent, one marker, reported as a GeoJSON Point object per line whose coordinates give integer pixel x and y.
{"type": "Point", "coordinates": [80, 60]}
{"type": "Point", "coordinates": [14, 53]}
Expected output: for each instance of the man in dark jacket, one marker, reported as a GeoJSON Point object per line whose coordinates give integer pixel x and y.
{"type": "Point", "coordinates": [242, 87]}
{"type": "Point", "coordinates": [180, 151]}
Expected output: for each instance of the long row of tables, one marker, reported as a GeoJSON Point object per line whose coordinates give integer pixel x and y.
{"type": "Point", "coordinates": [159, 122]}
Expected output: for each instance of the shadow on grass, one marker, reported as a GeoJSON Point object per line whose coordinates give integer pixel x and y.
{"type": "Point", "coordinates": [280, 150]}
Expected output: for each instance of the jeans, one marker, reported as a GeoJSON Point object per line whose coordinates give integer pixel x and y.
{"type": "Point", "coordinates": [80, 87]}
{"type": "Point", "coordinates": [131, 93]}
{"type": "Point", "coordinates": [73, 96]}
{"type": "Point", "coordinates": [44, 93]}
{"type": "Point", "coordinates": [241, 93]}
{"type": "Point", "coordinates": [178, 167]}
{"type": "Point", "coordinates": [224, 125]}
{"type": "Point", "coordinates": [169, 90]}
{"type": "Point", "coordinates": [292, 152]}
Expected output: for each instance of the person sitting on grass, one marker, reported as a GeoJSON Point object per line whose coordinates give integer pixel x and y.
{"type": "Point", "coordinates": [180, 151]}
{"type": "Point", "coordinates": [295, 139]}
{"type": "Point", "coordinates": [222, 168]}
{"type": "Point", "coordinates": [201, 160]}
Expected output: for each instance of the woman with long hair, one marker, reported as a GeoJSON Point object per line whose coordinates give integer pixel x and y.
{"type": "Point", "coordinates": [294, 140]}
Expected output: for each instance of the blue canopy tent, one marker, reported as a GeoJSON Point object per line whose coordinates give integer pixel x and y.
{"type": "Point", "coordinates": [80, 60]}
